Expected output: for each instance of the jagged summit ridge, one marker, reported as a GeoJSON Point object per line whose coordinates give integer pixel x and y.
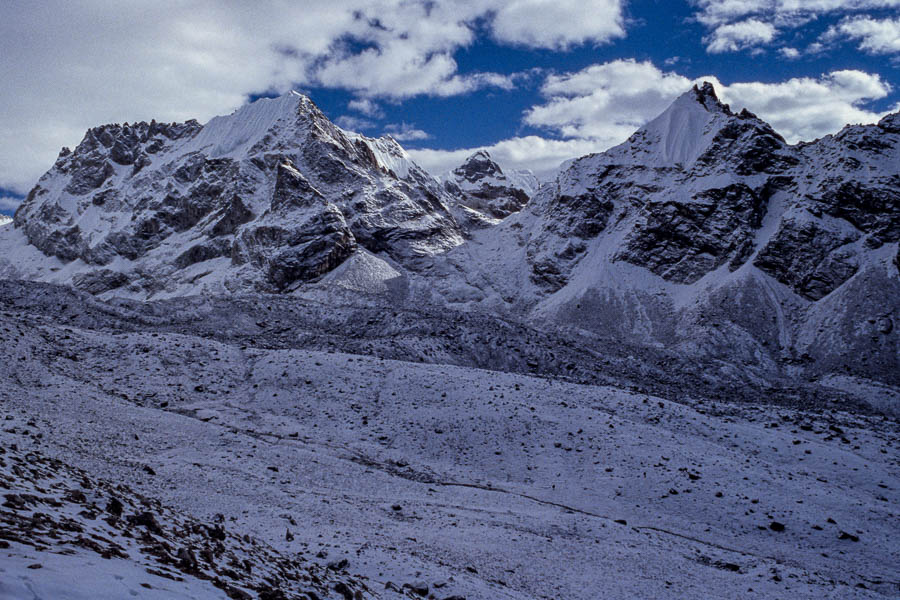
{"type": "Point", "coordinates": [157, 208]}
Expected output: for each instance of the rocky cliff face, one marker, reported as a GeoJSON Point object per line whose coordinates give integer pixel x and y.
{"type": "Point", "coordinates": [264, 199]}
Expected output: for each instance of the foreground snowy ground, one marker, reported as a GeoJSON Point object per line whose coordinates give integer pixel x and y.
{"type": "Point", "coordinates": [472, 483]}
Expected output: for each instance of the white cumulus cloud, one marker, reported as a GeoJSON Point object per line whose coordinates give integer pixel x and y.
{"type": "Point", "coordinates": [781, 12]}
{"type": "Point", "coordinates": [605, 102]}
{"type": "Point", "coordinates": [805, 108]}
{"type": "Point", "coordinates": [558, 23]}
{"type": "Point", "coordinates": [404, 132]}
{"type": "Point", "coordinates": [874, 36]}
{"type": "Point", "coordinates": [739, 36]}
{"type": "Point", "coordinates": [367, 107]}
{"type": "Point", "coordinates": [67, 66]}
{"type": "Point", "coordinates": [356, 124]}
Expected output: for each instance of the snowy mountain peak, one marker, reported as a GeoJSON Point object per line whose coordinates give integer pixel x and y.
{"type": "Point", "coordinates": [4, 220]}
{"type": "Point", "coordinates": [487, 193]}
{"type": "Point", "coordinates": [698, 132]}
{"type": "Point", "coordinates": [265, 198]}
{"type": "Point", "coordinates": [237, 133]}
{"type": "Point", "coordinates": [684, 130]}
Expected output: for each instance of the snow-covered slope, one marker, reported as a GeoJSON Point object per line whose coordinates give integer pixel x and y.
{"type": "Point", "coordinates": [67, 534]}
{"type": "Point", "coordinates": [705, 231]}
{"type": "Point", "coordinates": [470, 483]}
{"type": "Point", "coordinates": [265, 198]}
{"type": "Point", "coordinates": [4, 220]}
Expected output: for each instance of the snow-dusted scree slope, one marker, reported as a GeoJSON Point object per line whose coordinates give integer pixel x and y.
{"type": "Point", "coordinates": [678, 357]}
{"type": "Point", "coordinates": [495, 486]}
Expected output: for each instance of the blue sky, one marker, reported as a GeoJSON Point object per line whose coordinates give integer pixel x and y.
{"type": "Point", "coordinates": [533, 81]}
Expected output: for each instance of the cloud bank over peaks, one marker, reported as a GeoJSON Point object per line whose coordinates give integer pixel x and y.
{"type": "Point", "coordinates": [69, 66]}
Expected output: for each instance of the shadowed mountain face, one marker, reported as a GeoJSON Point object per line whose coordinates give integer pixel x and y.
{"type": "Point", "coordinates": [704, 234]}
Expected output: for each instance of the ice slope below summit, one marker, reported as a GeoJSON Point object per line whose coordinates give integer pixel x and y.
{"type": "Point", "coordinates": [682, 132]}
{"type": "Point", "coordinates": [233, 135]}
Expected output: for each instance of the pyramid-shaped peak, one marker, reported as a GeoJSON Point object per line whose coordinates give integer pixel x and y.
{"type": "Point", "coordinates": [235, 134]}
{"type": "Point", "coordinates": [685, 129]}
{"type": "Point", "coordinates": [477, 166]}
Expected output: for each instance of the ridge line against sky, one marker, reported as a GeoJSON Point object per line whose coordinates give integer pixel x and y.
{"type": "Point", "coordinates": [535, 82]}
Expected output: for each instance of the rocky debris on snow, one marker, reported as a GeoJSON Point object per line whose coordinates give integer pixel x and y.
{"type": "Point", "coordinates": [51, 508]}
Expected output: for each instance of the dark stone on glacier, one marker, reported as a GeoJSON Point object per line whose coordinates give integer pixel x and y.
{"type": "Point", "coordinates": [418, 587]}
{"type": "Point", "coordinates": [208, 250]}
{"type": "Point", "coordinates": [15, 502]}
{"type": "Point", "coordinates": [114, 507]}
{"type": "Point", "coordinates": [187, 560]}
{"type": "Point", "coordinates": [99, 281]}
{"type": "Point", "coordinates": [344, 590]}
{"type": "Point", "coordinates": [145, 519]}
